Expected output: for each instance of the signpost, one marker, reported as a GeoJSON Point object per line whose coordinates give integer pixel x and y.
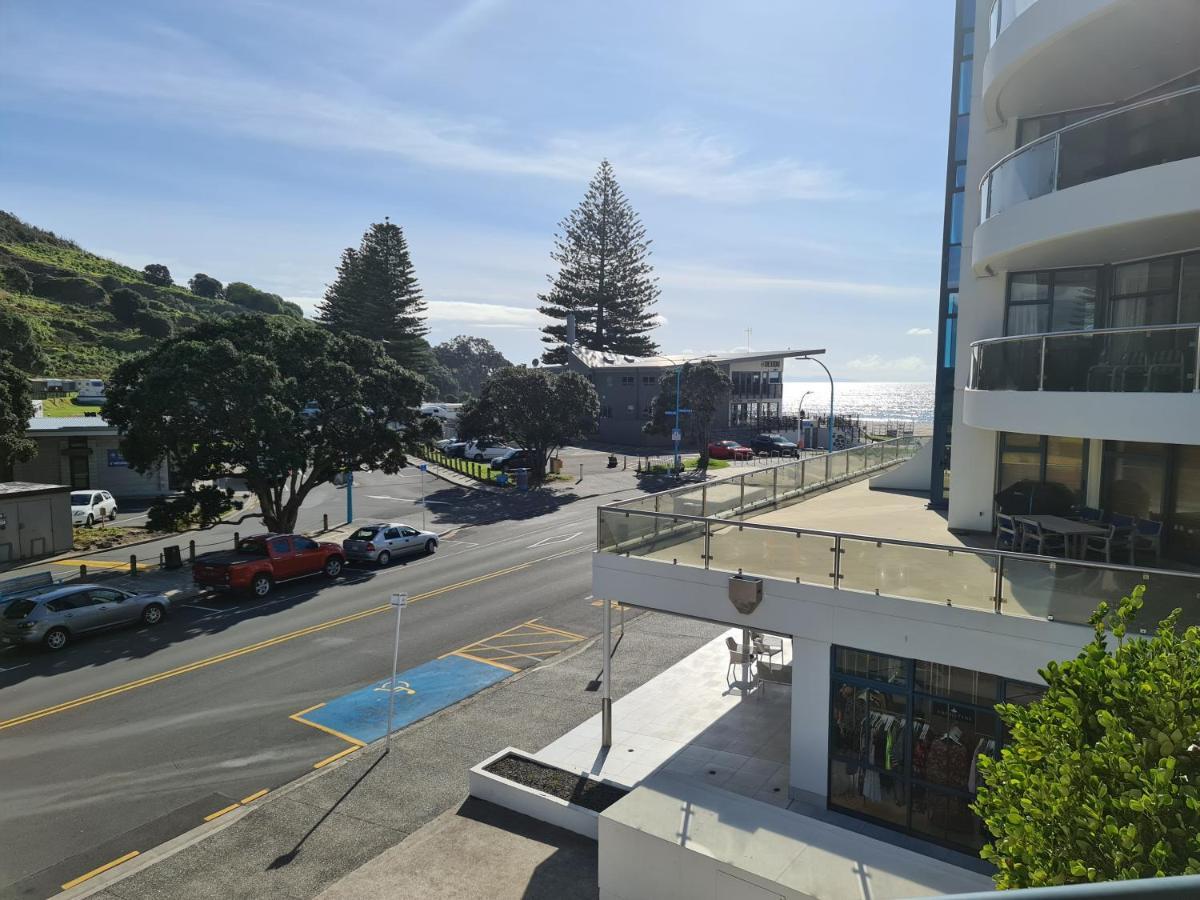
{"type": "Point", "coordinates": [399, 601]}
{"type": "Point", "coordinates": [424, 467]}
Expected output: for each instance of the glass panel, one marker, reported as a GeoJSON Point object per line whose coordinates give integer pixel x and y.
{"type": "Point", "coordinates": [1074, 300]}
{"type": "Point", "coordinates": [788, 555]}
{"type": "Point", "coordinates": [1155, 276]}
{"type": "Point", "coordinates": [954, 578]}
{"type": "Point", "coordinates": [962, 130]}
{"type": "Point", "coordinates": [1023, 694]}
{"type": "Point", "coordinates": [688, 502]}
{"type": "Point", "coordinates": [953, 264]}
{"type": "Point", "coordinates": [957, 684]}
{"type": "Point", "coordinates": [875, 666]}
{"type": "Point", "coordinates": [666, 538]}
{"type": "Point", "coordinates": [1029, 287]}
{"type": "Point", "coordinates": [1027, 175]}
{"type": "Point", "coordinates": [951, 343]}
{"type": "Point", "coordinates": [1010, 365]}
{"type": "Point", "coordinates": [619, 530]}
{"type": "Point", "coordinates": [1029, 318]}
{"type": "Point", "coordinates": [760, 488]}
{"type": "Point", "coordinates": [1183, 536]}
{"type": "Point", "coordinates": [956, 217]}
{"type": "Point", "coordinates": [1133, 479]}
{"type": "Point", "coordinates": [1189, 293]}
{"type": "Point", "coordinates": [1065, 460]}
{"type": "Point", "coordinates": [948, 738]}
{"type": "Point", "coordinates": [814, 471]}
{"type": "Point", "coordinates": [947, 818]}
{"type": "Point", "coordinates": [723, 498]}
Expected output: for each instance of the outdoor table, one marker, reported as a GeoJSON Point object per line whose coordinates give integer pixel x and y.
{"type": "Point", "coordinates": [1074, 532]}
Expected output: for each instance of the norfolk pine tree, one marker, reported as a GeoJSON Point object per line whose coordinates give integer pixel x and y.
{"type": "Point", "coordinates": [604, 276]}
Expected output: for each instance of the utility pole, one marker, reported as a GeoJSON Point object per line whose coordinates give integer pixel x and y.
{"type": "Point", "coordinates": [676, 432]}
{"type": "Point", "coordinates": [399, 601]}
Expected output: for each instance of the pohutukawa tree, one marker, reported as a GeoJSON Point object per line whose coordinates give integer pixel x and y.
{"type": "Point", "coordinates": [20, 357]}
{"type": "Point", "coordinates": [376, 295]}
{"type": "Point", "coordinates": [280, 402]}
{"type": "Point", "coordinates": [604, 276]}
{"type": "Point", "coordinates": [704, 390]}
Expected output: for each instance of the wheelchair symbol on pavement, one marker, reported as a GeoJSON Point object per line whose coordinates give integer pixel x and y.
{"type": "Point", "coordinates": [401, 687]}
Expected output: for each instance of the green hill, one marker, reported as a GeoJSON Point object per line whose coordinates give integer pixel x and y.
{"type": "Point", "coordinates": [66, 294]}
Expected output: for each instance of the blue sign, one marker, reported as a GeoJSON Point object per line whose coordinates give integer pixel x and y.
{"type": "Point", "coordinates": [423, 467]}
{"type": "Point", "coordinates": [116, 460]}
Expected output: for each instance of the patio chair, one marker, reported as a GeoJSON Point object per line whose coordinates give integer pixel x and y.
{"type": "Point", "coordinates": [1118, 542]}
{"type": "Point", "coordinates": [1147, 535]}
{"type": "Point", "coordinates": [769, 674]}
{"type": "Point", "coordinates": [1089, 514]}
{"type": "Point", "coordinates": [738, 656]}
{"type": "Point", "coordinates": [1008, 532]}
{"type": "Point", "coordinates": [1045, 543]}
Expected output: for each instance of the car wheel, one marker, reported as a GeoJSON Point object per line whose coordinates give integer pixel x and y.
{"type": "Point", "coordinates": [333, 567]}
{"type": "Point", "coordinates": [153, 614]}
{"type": "Point", "coordinates": [91, 520]}
{"type": "Point", "coordinates": [431, 546]}
{"type": "Point", "coordinates": [56, 639]}
{"type": "Point", "coordinates": [261, 585]}
{"type": "Point", "coordinates": [384, 558]}
{"type": "Point", "coordinates": [112, 516]}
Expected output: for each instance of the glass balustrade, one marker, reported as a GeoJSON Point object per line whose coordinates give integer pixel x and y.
{"type": "Point", "coordinates": [1002, 14]}
{"type": "Point", "coordinates": [952, 577]}
{"type": "Point", "coordinates": [771, 553]}
{"type": "Point", "coordinates": [1150, 133]}
{"type": "Point", "coordinates": [1161, 359]}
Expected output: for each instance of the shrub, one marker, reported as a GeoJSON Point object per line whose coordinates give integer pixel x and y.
{"type": "Point", "coordinates": [211, 503]}
{"type": "Point", "coordinates": [17, 279]}
{"type": "Point", "coordinates": [250, 297]}
{"type": "Point", "coordinates": [156, 273]}
{"type": "Point", "coordinates": [111, 283]}
{"type": "Point", "coordinates": [126, 304]}
{"type": "Point", "coordinates": [170, 514]}
{"type": "Point", "coordinates": [152, 324]}
{"type": "Point", "coordinates": [71, 289]}
{"type": "Point", "coordinates": [206, 286]}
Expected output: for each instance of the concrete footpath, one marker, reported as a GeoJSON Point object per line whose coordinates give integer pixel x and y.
{"type": "Point", "coordinates": [302, 839]}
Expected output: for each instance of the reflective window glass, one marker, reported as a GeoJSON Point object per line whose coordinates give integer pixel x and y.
{"type": "Point", "coordinates": [1032, 318]}
{"type": "Point", "coordinates": [953, 682]}
{"type": "Point", "coordinates": [876, 666]}
{"type": "Point", "coordinates": [964, 87]}
{"type": "Point", "coordinates": [960, 175]}
{"type": "Point", "coordinates": [956, 217]}
{"type": "Point", "coordinates": [1074, 300]}
{"type": "Point", "coordinates": [1189, 289]}
{"type": "Point", "coordinates": [1065, 461]}
{"type": "Point", "coordinates": [953, 262]}
{"type": "Point", "coordinates": [1029, 287]}
{"type": "Point", "coordinates": [1133, 479]}
{"type": "Point", "coordinates": [962, 129]}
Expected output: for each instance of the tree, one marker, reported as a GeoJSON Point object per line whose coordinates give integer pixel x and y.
{"type": "Point", "coordinates": [228, 399]}
{"type": "Point", "coordinates": [471, 361]}
{"type": "Point", "coordinates": [1101, 779]}
{"type": "Point", "coordinates": [126, 304]}
{"type": "Point", "coordinates": [20, 357]}
{"type": "Point", "coordinates": [250, 297]}
{"type": "Point", "coordinates": [376, 295]}
{"type": "Point", "coordinates": [206, 286]}
{"type": "Point", "coordinates": [604, 276]}
{"type": "Point", "coordinates": [157, 273]}
{"type": "Point", "coordinates": [703, 390]}
{"type": "Point", "coordinates": [534, 409]}
{"type": "Point", "coordinates": [153, 324]}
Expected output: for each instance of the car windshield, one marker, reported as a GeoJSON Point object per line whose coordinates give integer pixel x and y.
{"type": "Point", "coordinates": [81, 498]}
{"type": "Point", "coordinates": [363, 534]}
{"type": "Point", "coordinates": [253, 547]}
{"type": "Point", "coordinates": [19, 609]}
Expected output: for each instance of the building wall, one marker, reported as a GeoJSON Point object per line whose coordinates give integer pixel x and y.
{"type": "Point", "coordinates": [36, 525]}
{"type": "Point", "coordinates": [52, 466]}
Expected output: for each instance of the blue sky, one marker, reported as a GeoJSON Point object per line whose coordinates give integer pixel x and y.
{"type": "Point", "coordinates": [787, 158]}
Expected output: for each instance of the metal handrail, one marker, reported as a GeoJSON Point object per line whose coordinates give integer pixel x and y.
{"type": "Point", "coordinates": [1124, 329]}
{"type": "Point", "coordinates": [901, 542]}
{"type": "Point", "coordinates": [1057, 135]}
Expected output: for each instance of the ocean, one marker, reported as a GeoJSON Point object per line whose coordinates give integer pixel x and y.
{"type": "Point", "coordinates": [877, 401]}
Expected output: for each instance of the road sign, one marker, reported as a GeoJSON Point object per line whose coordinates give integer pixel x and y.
{"type": "Point", "coordinates": [424, 467]}
{"type": "Point", "coordinates": [400, 600]}
{"type": "Point", "coordinates": [676, 434]}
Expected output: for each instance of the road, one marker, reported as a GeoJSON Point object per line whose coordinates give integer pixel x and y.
{"type": "Point", "coordinates": [133, 737]}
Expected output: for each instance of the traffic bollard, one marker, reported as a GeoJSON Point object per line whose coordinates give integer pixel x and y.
{"type": "Point", "coordinates": [236, 540]}
{"type": "Point", "coordinates": [191, 551]}
{"type": "Point", "coordinates": [133, 564]}
{"type": "Point", "coordinates": [83, 572]}
{"type": "Point", "coordinates": [325, 526]}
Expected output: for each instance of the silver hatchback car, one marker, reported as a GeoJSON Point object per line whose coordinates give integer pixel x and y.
{"type": "Point", "coordinates": [382, 542]}
{"type": "Point", "coordinates": [55, 618]}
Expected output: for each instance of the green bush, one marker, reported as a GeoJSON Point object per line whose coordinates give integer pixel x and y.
{"type": "Point", "coordinates": [17, 279]}
{"type": "Point", "coordinates": [152, 324]}
{"type": "Point", "coordinates": [126, 304]}
{"type": "Point", "coordinates": [170, 513]}
{"type": "Point", "coordinates": [71, 289]}
{"type": "Point", "coordinates": [250, 297]}
{"type": "Point", "coordinates": [111, 283]}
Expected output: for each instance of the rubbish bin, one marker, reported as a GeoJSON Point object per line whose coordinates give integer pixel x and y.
{"type": "Point", "coordinates": [555, 465]}
{"type": "Point", "coordinates": [502, 479]}
{"type": "Point", "coordinates": [172, 559]}
{"type": "Point", "coordinates": [522, 479]}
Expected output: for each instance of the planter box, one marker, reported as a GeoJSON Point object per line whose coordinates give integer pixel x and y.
{"type": "Point", "coordinates": [531, 802]}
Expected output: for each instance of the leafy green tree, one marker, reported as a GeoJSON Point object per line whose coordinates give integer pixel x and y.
{"type": "Point", "coordinates": [534, 409]}
{"type": "Point", "coordinates": [227, 399]}
{"type": "Point", "coordinates": [470, 360]}
{"type": "Point", "coordinates": [126, 304]}
{"type": "Point", "coordinates": [704, 389]}
{"type": "Point", "coordinates": [250, 297]}
{"type": "Point", "coordinates": [206, 286]}
{"type": "Point", "coordinates": [20, 357]}
{"type": "Point", "coordinates": [376, 295]}
{"type": "Point", "coordinates": [1101, 778]}
{"type": "Point", "coordinates": [604, 276]}
{"type": "Point", "coordinates": [153, 324]}
{"type": "Point", "coordinates": [157, 273]}
{"type": "Point", "coordinates": [474, 421]}
{"type": "Point", "coordinates": [18, 340]}
{"type": "Point", "coordinates": [16, 279]}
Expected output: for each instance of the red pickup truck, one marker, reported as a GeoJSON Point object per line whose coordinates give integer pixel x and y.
{"type": "Point", "coordinates": [260, 562]}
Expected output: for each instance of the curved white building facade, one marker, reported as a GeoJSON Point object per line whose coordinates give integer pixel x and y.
{"type": "Point", "coordinates": [1076, 358]}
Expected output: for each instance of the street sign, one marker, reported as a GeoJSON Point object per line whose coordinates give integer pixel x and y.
{"type": "Point", "coordinates": [400, 600]}
{"type": "Point", "coordinates": [424, 467]}
{"type": "Point", "coordinates": [676, 434]}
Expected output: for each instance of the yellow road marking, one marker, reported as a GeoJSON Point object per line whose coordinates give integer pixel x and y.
{"type": "Point", "coordinates": [483, 646]}
{"type": "Point", "coordinates": [337, 756]}
{"type": "Point", "coordinates": [570, 634]}
{"type": "Point", "coordinates": [97, 563]}
{"type": "Point", "coordinates": [261, 645]}
{"type": "Point", "coordinates": [220, 812]}
{"type": "Point", "coordinates": [254, 796]}
{"type": "Point", "coordinates": [489, 662]}
{"type": "Point", "coordinates": [296, 717]}
{"type": "Point", "coordinates": [547, 655]}
{"type": "Point", "coordinates": [542, 643]}
{"type": "Point", "coordinates": [74, 882]}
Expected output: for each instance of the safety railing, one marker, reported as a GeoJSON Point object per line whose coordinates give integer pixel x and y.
{"type": "Point", "coordinates": [1155, 359]}
{"type": "Point", "coordinates": [993, 581]}
{"type": "Point", "coordinates": [778, 484]}
{"type": "Point", "coordinates": [1148, 133]}
{"type": "Point", "coordinates": [1002, 14]}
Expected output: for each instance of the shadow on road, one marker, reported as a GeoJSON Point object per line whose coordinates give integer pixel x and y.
{"type": "Point", "coordinates": [456, 507]}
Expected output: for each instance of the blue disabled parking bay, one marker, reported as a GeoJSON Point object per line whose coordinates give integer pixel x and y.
{"type": "Point", "coordinates": [420, 692]}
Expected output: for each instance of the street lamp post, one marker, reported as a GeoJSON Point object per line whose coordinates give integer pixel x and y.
{"type": "Point", "coordinates": [826, 368]}
{"type": "Point", "coordinates": [802, 396]}
{"type": "Point", "coordinates": [676, 433]}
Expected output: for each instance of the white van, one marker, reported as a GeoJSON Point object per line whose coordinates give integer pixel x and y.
{"type": "Point", "coordinates": [91, 392]}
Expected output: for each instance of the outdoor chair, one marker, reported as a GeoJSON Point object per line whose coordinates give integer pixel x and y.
{"type": "Point", "coordinates": [738, 657]}
{"type": "Point", "coordinates": [1147, 535]}
{"type": "Point", "coordinates": [1118, 542]}
{"type": "Point", "coordinates": [1089, 514]}
{"type": "Point", "coordinates": [1008, 532]}
{"type": "Point", "coordinates": [769, 674]}
{"type": "Point", "coordinates": [1044, 543]}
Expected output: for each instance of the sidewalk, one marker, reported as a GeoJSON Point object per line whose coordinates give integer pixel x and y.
{"type": "Point", "coordinates": [301, 839]}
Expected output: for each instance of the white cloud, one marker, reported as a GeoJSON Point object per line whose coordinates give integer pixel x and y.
{"type": "Point", "coordinates": [486, 315]}
{"type": "Point", "coordinates": [696, 277]}
{"type": "Point", "coordinates": [875, 363]}
{"type": "Point", "coordinates": [919, 331]}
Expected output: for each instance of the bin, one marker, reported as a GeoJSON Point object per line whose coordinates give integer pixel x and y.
{"type": "Point", "coordinates": [172, 559]}
{"type": "Point", "coordinates": [555, 465]}
{"type": "Point", "coordinates": [522, 479]}
{"type": "Point", "coordinates": [502, 479]}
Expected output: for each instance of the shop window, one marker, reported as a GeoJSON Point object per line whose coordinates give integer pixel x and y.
{"type": "Point", "coordinates": [628, 379]}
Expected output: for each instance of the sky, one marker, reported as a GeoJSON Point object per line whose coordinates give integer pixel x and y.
{"type": "Point", "coordinates": [786, 158]}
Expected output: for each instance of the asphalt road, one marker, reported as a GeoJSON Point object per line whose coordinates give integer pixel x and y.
{"type": "Point", "coordinates": [132, 737]}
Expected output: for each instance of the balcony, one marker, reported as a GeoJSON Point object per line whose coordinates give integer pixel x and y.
{"type": "Point", "coordinates": [1120, 185]}
{"type": "Point", "coordinates": [1111, 383]}
{"type": "Point", "coordinates": [1046, 57]}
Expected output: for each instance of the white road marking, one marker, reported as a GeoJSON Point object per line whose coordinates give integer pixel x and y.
{"type": "Point", "coordinates": [14, 668]}
{"type": "Point", "coordinates": [559, 539]}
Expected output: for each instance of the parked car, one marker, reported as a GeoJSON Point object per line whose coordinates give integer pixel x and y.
{"type": "Point", "coordinates": [263, 561]}
{"type": "Point", "coordinates": [485, 450]}
{"type": "Point", "coordinates": [729, 450]}
{"type": "Point", "coordinates": [443, 444]}
{"type": "Point", "coordinates": [90, 507]}
{"type": "Point", "coordinates": [773, 445]}
{"type": "Point", "coordinates": [382, 542]}
{"type": "Point", "coordinates": [55, 618]}
{"type": "Point", "coordinates": [515, 458]}
{"type": "Point", "coordinates": [455, 449]}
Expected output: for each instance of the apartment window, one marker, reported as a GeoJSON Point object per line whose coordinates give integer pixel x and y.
{"type": "Point", "coordinates": [1135, 476]}
{"type": "Point", "coordinates": [904, 739]}
{"type": "Point", "coordinates": [1189, 289]}
{"type": "Point", "coordinates": [1144, 293]}
{"type": "Point", "coordinates": [650, 379]}
{"type": "Point", "coordinates": [1043, 459]}
{"type": "Point", "coordinates": [1064, 300]}
{"type": "Point", "coordinates": [1034, 127]}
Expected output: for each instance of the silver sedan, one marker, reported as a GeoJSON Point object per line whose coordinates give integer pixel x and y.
{"type": "Point", "coordinates": [56, 617]}
{"type": "Point", "coordinates": [384, 541]}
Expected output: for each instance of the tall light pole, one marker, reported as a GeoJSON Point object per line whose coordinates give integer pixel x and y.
{"type": "Point", "coordinates": [677, 433]}
{"type": "Point", "coordinates": [813, 354]}
{"type": "Point", "coordinates": [802, 396]}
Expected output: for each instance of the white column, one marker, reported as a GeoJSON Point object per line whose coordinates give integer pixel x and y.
{"type": "Point", "coordinates": [1094, 462]}
{"type": "Point", "coordinates": [810, 716]}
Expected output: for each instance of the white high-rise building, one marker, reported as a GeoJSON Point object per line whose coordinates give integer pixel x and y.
{"type": "Point", "coordinates": [1073, 234]}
